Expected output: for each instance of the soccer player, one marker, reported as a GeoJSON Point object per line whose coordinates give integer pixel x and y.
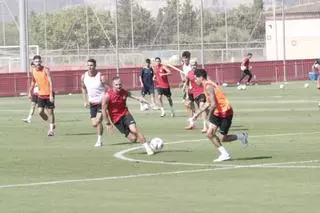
{"type": "Point", "coordinates": [146, 81]}
{"type": "Point", "coordinates": [245, 67]}
{"type": "Point", "coordinates": [198, 95]}
{"type": "Point", "coordinates": [115, 111]}
{"type": "Point", "coordinates": [220, 116]}
{"type": "Point", "coordinates": [93, 89]}
{"type": "Point", "coordinates": [162, 84]}
{"type": "Point", "coordinates": [34, 101]}
{"type": "Point", "coordinates": [42, 78]}
{"type": "Point", "coordinates": [316, 68]}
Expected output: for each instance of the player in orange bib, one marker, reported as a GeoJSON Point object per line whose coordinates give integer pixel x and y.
{"type": "Point", "coordinates": [220, 116]}
{"type": "Point", "coordinates": [41, 77]}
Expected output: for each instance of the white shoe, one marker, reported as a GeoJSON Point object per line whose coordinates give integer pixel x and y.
{"type": "Point", "coordinates": [222, 158]}
{"type": "Point", "coordinates": [26, 120]}
{"type": "Point", "coordinates": [150, 152]}
{"type": "Point", "coordinates": [98, 144]}
{"type": "Point", "coordinates": [173, 114]}
{"type": "Point", "coordinates": [163, 114]}
{"type": "Point", "coordinates": [244, 140]}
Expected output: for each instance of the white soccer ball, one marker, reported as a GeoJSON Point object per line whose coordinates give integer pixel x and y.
{"type": "Point", "coordinates": [225, 84]}
{"type": "Point", "coordinates": [145, 107]}
{"type": "Point", "coordinates": [281, 86]}
{"type": "Point", "coordinates": [306, 85]}
{"type": "Point", "coordinates": [244, 87]}
{"type": "Point", "coordinates": [156, 144]}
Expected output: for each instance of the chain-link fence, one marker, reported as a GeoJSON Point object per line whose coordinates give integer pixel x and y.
{"type": "Point", "coordinates": [68, 32]}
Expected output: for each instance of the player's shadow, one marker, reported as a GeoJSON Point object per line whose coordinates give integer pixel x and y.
{"type": "Point", "coordinates": [252, 158]}
{"type": "Point", "coordinates": [83, 133]}
{"type": "Point", "coordinates": [123, 143]}
{"type": "Point", "coordinates": [164, 151]}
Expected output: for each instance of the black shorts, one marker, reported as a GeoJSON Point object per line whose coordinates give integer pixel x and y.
{"type": "Point", "coordinates": [164, 91]}
{"type": "Point", "coordinates": [94, 109]}
{"type": "Point", "coordinates": [200, 98]}
{"type": "Point", "coordinates": [190, 97]}
{"type": "Point", "coordinates": [224, 123]}
{"type": "Point", "coordinates": [246, 72]}
{"type": "Point", "coordinates": [123, 124]}
{"type": "Point", "coordinates": [147, 90]}
{"type": "Point", "coordinates": [34, 99]}
{"type": "Point", "coordinates": [46, 103]}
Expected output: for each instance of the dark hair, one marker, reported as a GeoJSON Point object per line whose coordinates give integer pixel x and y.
{"type": "Point", "coordinates": [32, 64]}
{"type": "Point", "coordinates": [158, 58]}
{"type": "Point", "coordinates": [92, 61]}
{"type": "Point", "coordinates": [249, 54]}
{"type": "Point", "coordinates": [201, 73]}
{"type": "Point", "coordinates": [37, 57]}
{"type": "Point", "coordinates": [186, 54]}
{"type": "Point", "coordinates": [148, 61]}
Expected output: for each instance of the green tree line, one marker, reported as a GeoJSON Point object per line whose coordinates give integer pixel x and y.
{"type": "Point", "coordinates": [67, 28]}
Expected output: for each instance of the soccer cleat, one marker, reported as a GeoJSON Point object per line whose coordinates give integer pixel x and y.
{"type": "Point", "coordinates": [222, 158]}
{"type": "Point", "coordinates": [98, 144]}
{"type": "Point", "coordinates": [244, 140]}
{"type": "Point", "coordinates": [150, 152]}
{"type": "Point", "coordinates": [26, 120]}
{"type": "Point", "coordinates": [50, 133]}
{"type": "Point", "coordinates": [203, 130]}
{"type": "Point", "coordinates": [163, 114]}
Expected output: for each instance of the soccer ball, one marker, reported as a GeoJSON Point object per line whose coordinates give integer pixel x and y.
{"type": "Point", "coordinates": [281, 86]}
{"type": "Point", "coordinates": [306, 85]}
{"type": "Point", "coordinates": [156, 144]}
{"type": "Point", "coordinates": [145, 107]}
{"type": "Point", "coordinates": [242, 87]}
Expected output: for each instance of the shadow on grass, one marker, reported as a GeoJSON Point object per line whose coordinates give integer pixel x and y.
{"type": "Point", "coordinates": [166, 151]}
{"type": "Point", "coordinates": [83, 133]}
{"type": "Point", "coordinates": [252, 158]}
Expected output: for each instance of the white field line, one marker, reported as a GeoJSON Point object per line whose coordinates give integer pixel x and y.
{"type": "Point", "coordinates": [120, 154]}
{"type": "Point", "coordinates": [271, 165]}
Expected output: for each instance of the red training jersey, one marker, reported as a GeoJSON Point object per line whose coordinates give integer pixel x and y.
{"type": "Point", "coordinates": [246, 62]}
{"type": "Point", "coordinates": [161, 81]}
{"type": "Point", "coordinates": [117, 105]}
{"type": "Point", "coordinates": [195, 89]}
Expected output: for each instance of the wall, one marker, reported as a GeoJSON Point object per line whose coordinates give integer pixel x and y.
{"type": "Point", "coordinates": [14, 84]}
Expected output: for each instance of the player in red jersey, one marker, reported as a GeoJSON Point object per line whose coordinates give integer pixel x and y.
{"type": "Point", "coordinates": [246, 68]}
{"type": "Point", "coordinates": [116, 113]}
{"type": "Point", "coordinates": [316, 68]}
{"type": "Point", "coordinates": [162, 84]}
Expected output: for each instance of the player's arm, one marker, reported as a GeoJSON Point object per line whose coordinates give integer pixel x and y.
{"type": "Point", "coordinates": [168, 71]}
{"type": "Point", "coordinates": [182, 75]}
{"type": "Point", "coordinates": [105, 112]}
{"type": "Point", "coordinates": [137, 98]}
{"type": "Point", "coordinates": [140, 78]}
{"type": "Point", "coordinates": [32, 84]}
{"type": "Point", "coordinates": [50, 83]}
{"type": "Point", "coordinates": [84, 92]}
{"type": "Point", "coordinates": [210, 105]}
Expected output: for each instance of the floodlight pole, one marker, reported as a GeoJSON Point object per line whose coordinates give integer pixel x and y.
{"type": "Point", "coordinates": [284, 42]}
{"type": "Point", "coordinates": [23, 37]}
{"type": "Point", "coordinates": [201, 32]}
{"type": "Point", "coordinates": [178, 27]}
{"type": "Point", "coordinates": [275, 28]}
{"type": "Point", "coordinates": [132, 29]}
{"type": "Point", "coordinates": [117, 39]}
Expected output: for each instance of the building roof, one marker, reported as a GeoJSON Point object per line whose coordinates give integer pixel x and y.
{"type": "Point", "coordinates": [303, 11]}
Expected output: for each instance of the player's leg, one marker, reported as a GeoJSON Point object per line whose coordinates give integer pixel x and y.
{"type": "Point", "coordinates": [201, 100]}
{"type": "Point", "coordinates": [243, 76]}
{"type": "Point", "coordinates": [318, 80]}
{"type": "Point", "coordinates": [143, 94]}
{"type": "Point", "coordinates": [153, 99]}
{"type": "Point", "coordinates": [160, 100]}
{"type": "Point", "coordinates": [214, 123]}
{"type": "Point", "coordinates": [51, 117]}
{"type": "Point", "coordinates": [34, 101]}
{"type": "Point", "coordinates": [167, 93]}
{"type": "Point", "coordinates": [96, 122]}
{"type": "Point", "coordinates": [249, 73]}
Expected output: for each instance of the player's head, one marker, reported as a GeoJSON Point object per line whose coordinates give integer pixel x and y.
{"type": "Point", "coordinates": [157, 60]}
{"type": "Point", "coordinates": [37, 61]}
{"type": "Point", "coordinates": [186, 55]}
{"type": "Point", "coordinates": [148, 62]}
{"type": "Point", "coordinates": [249, 55]}
{"type": "Point", "coordinates": [116, 83]}
{"type": "Point", "coordinates": [194, 64]}
{"type": "Point", "coordinates": [32, 64]}
{"type": "Point", "coordinates": [201, 75]}
{"type": "Point", "coordinates": [91, 64]}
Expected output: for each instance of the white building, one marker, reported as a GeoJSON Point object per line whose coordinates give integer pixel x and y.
{"type": "Point", "coordinates": [302, 33]}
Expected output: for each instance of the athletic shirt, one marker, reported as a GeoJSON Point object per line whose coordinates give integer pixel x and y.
{"type": "Point", "coordinates": [246, 62]}
{"type": "Point", "coordinates": [195, 89]}
{"type": "Point", "coordinates": [147, 76]}
{"type": "Point", "coordinates": [223, 108]}
{"type": "Point", "coordinates": [186, 69]}
{"type": "Point", "coordinates": [117, 106]}
{"type": "Point", "coordinates": [95, 87]}
{"type": "Point", "coordinates": [161, 81]}
{"type": "Point", "coordinates": [41, 79]}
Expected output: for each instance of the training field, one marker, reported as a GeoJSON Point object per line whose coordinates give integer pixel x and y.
{"type": "Point", "coordinates": [278, 172]}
